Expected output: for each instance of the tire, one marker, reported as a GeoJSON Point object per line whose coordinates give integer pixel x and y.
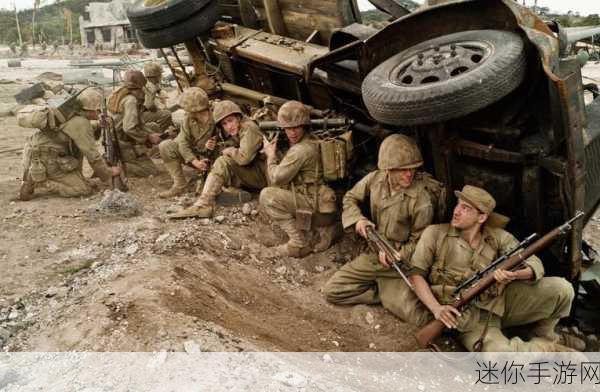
{"type": "Point", "coordinates": [164, 15]}
{"type": "Point", "coordinates": [480, 67]}
{"type": "Point", "coordinates": [197, 24]}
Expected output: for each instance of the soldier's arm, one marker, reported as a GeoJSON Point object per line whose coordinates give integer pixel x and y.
{"type": "Point", "coordinates": [149, 96]}
{"type": "Point", "coordinates": [250, 145]}
{"type": "Point", "coordinates": [131, 121]}
{"type": "Point", "coordinates": [184, 142]}
{"type": "Point", "coordinates": [534, 269]}
{"type": "Point", "coordinates": [351, 212]}
{"type": "Point", "coordinates": [284, 172]}
{"type": "Point", "coordinates": [81, 132]}
{"type": "Point", "coordinates": [421, 218]}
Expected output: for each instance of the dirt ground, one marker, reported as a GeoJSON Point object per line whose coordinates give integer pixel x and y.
{"type": "Point", "coordinates": [71, 279]}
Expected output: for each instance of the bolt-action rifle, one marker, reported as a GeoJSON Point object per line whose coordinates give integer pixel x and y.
{"type": "Point", "coordinates": [431, 331]}
{"type": "Point", "coordinates": [380, 244]}
{"type": "Point", "coordinates": [112, 149]}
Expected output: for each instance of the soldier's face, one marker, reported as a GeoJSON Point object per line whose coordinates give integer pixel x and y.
{"type": "Point", "coordinates": [294, 134]}
{"type": "Point", "coordinates": [466, 216]}
{"type": "Point", "coordinates": [231, 124]}
{"type": "Point", "coordinates": [401, 178]}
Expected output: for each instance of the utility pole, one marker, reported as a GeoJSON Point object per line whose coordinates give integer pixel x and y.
{"type": "Point", "coordinates": [18, 27]}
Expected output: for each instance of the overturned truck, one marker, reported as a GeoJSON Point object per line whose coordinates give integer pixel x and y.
{"type": "Point", "coordinates": [489, 90]}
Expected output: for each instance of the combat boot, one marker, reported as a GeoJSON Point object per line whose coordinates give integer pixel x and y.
{"type": "Point", "coordinates": [204, 207]}
{"type": "Point", "coordinates": [297, 246]}
{"type": "Point", "coordinates": [327, 235]}
{"type": "Point", "coordinates": [179, 183]}
{"type": "Point", "coordinates": [26, 190]}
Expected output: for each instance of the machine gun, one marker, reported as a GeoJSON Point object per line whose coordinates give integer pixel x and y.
{"type": "Point", "coordinates": [112, 148]}
{"type": "Point", "coordinates": [380, 244]}
{"type": "Point", "coordinates": [433, 329]}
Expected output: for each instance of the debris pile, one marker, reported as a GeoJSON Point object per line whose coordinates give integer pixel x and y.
{"type": "Point", "coordinates": [116, 203]}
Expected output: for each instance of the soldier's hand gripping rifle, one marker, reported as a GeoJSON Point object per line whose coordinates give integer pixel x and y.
{"type": "Point", "coordinates": [380, 244]}
{"type": "Point", "coordinates": [112, 149]}
{"type": "Point", "coordinates": [431, 331]}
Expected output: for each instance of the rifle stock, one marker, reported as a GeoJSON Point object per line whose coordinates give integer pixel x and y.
{"type": "Point", "coordinates": [434, 328]}
{"type": "Point", "coordinates": [112, 149]}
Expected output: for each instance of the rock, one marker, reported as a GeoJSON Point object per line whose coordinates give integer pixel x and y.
{"type": "Point", "coordinates": [13, 315]}
{"type": "Point", "coordinates": [162, 237]}
{"type": "Point", "coordinates": [319, 268]}
{"type": "Point", "coordinates": [281, 270]}
{"type": "Point", "coordinates": [575, 330]}
{"type": "Point", "coordinates": [131, 249]}
{"type": "Point", "coordinates": [204, 221]}
{"type": "Point", "coordinates": [118, 203]}
{"type": "Point", "coordinates": [220, 218]}
{"type": "Point", "coordinates": [254, 212]}
{"type": "Point", "coordinates": [246, 209]}
{"type": "Point", "coordinates": [369, 318]}
{"type": "Point", "coordinates": [191, 347]}
{"type": "Point", "coordinates": [372, 346]}
{"type": "Point", "coordinates": [335, 343]}
{"type": "Point", "coordinates": [39, 101]}
{"type": "Point", "coordinates": [291, 379]}
{"type": "Point", "coordinates": [592, 339]}
{"type": "Point", "coordinates": [51, 292]}
{"type": "Point", "coordinates": [49, 77]}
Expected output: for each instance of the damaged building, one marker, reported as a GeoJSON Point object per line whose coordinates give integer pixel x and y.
{"type": "Point", "coordinates": [105, 25]}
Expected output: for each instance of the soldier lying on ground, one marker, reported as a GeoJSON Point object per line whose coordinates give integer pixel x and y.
{"type": "Point", "coordinates": [447, 254]}
{"type": "Point", "coordinates": [239, 165]}
{"type": "Point", "coordinates": [401, 208]}
{"type": "Point", "coordinates": [152, 113]}
{"type": "Point", "coordinates": [193, 144]}
{"type": "Point", "coordinates": [55, 155]}
{"type": "Point", "coordinates": [298, 199]}
{"type": "Point", "coordinates": [125, 106]}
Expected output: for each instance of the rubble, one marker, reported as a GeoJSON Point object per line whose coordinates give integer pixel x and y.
{"type": "Point", "coordinates": [118, 203]}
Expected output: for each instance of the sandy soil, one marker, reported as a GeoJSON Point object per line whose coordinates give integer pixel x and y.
{"type": "Point", "coordinates": [74, 280]}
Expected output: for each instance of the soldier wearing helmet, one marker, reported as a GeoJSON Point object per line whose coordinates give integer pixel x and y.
{"type": "Point", "coordinates": [240, 164]}
{"type": "Point", "coordinates": [297, 189]}
{"type": "Point", "coordinates": [401, 208]}
{"type": "Point", "coordinates": [152, 104]}
{"type": "Point", "coordinates": [54, 155]}
{"type": "Point", "coordinates": [194, 144]}
{"type": "Point", "coordinates": [126, 106]}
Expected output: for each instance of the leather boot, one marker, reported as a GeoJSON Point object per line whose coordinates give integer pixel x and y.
{"type": "Point", "coordinates": [297, 246]}
{"type": "Point", "coordinates": [179, 183]}
{"type": "Point", "coordinates": [26, 190]}
{"type": "Point", "coordinates": [327, 235]}
{"type": "Point", "coordinates": [204, 207]}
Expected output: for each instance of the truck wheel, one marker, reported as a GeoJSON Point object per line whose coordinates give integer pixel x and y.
{"type": "Point", "coordinates": [444, 78]}
{"type": "Point", "coordinates": [197, 24]}
{"type": "Point", "coordinates": [163, 15]}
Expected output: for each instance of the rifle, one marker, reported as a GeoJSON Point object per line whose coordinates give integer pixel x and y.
{"type": "Point", "coordinates": [380, 243]}
{"type": "Point", "coordinates": [435, 328]}
{"type": "Point", "coordinates": [317, 123]}
{"type": "Point", "coordinates": [112, 148]}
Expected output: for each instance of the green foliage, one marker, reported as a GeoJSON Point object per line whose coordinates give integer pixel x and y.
{"type": "Point", "coordinates": [50, 22]}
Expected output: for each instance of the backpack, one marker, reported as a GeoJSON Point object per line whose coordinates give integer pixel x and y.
{"type": "Point", "coordinates": [40, 117]}
{"type": "Point", "coordinates": [335, 153]}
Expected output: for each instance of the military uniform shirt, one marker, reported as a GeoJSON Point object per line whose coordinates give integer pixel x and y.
{"type": "Point", "coordinates": [193, 137]}
{"type": "Point", "coordinates": [249, 142]}
{"type": "Point", "coordinates": [298, 166]}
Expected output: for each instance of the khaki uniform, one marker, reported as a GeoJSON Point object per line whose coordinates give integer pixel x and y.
{"type": "Point", "coordinates": [297, 183]}
{"type": "Point", "coordinates": [151, 112]}
{"type": "Point", "coordinates": [399, 217]}
{"type": "Point", "coordinates": [189, 143]}
{"type": "Point", "coordinates": [446, 259]}
{"type": "Point", "coordinates": [246, 167]}
{"type": "Point", "coordinates": [132, 137]}
{"type": "Point", "coordinates": [56, 156]}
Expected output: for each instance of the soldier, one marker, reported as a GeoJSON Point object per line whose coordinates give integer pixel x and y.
{"type": "Point", "coordinates": [297, 188]}
{"type": "Point", "coordinates": [240, 164]}
{"type": "Point", "coordinates": [401, 208]}
{"type": "Point", "coordinates": [134, 136]}
{"type": "Point", "coordinates": [153, 72]}
{"type": "Point", "coordinates": [447, 254]}
{"type": "Point", "coordinates": [193, 144]}
{"type": "Point", "coordinates": [55, 155]}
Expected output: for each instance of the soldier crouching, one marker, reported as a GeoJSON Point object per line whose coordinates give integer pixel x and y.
{"type": "Point", "coordinates": [297, 197]}
{"type": "Point", "coordinates": [125, 106]}
{"type": "Point", "coordinates": [54, 156]}
{"type": "Point", "coordinates": [151, 113]}
{"type": "Point", "coordinates": [240, 164]}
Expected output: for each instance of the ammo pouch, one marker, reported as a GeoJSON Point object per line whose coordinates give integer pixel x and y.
{"type": "Point", "coordinates": [335, 154]}
{"type": "Point", "coordinates": [37, 170]}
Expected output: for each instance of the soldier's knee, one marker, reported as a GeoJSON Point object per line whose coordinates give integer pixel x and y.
{"type": "Point", "coordinates": [222, 164]}
{"type": "Point", "coordinates": [165, 149]}
{"type": "Point", "coordinates": [267, 195]}
{"type": "Point", "coordinates": [559, 288]}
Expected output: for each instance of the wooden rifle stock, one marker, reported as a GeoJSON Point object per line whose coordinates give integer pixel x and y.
{"type": "Point", "coordinates": [433, 329]}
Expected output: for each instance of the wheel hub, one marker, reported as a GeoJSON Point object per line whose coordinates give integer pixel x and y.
{"type": "Point", "coordinates": [439, 64]}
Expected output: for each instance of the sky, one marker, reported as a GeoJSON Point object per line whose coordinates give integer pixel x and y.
{"type": "Point", "coordinates": [584, 7]}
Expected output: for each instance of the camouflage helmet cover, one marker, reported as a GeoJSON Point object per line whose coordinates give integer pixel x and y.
{"type": "Point", "coordinates": [134, 79]}
{"type": "Point", "coordinates": [193, 99]}
{"type": "Point", "coordinates": [90, 99]}
{"type": "Point", "coordinates": [399, 152]}
{"type": "Point", "coordinates": [293, 114]}
{"type": "Point", "coordinates": [152, 69]}
{"type": "Point", "coordinates": [223, 109]}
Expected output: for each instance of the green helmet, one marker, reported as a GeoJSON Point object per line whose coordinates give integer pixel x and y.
{"type": "Point", "coordinates": [193, 99]}
{"type": "Point", "coordinates": [134, 79]}
{"type": "Point", "coordinates": [399, 152]}
{"type": "Point", "coordinates": [90, 99]}
{"type": "Point", "coordinates": [293, 114]}
{"type": "Point", "coordinates": [223, 109]}
{"type": "Point", "coordinates": [152, 69]}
